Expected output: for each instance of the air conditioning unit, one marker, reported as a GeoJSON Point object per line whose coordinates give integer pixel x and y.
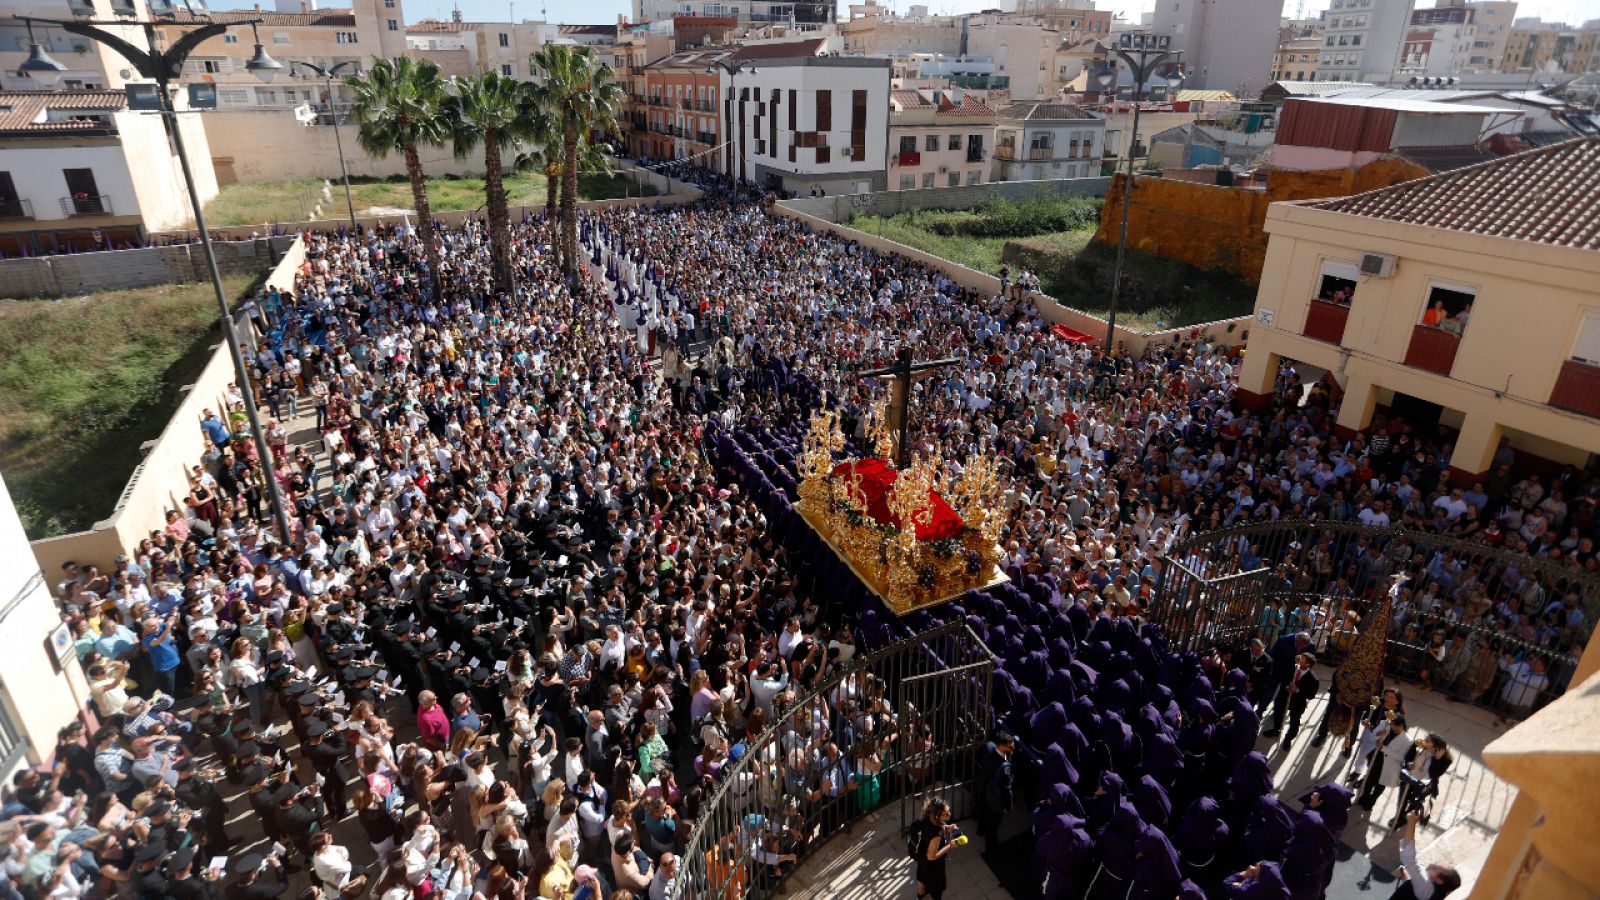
{"type": "Point", "coordinates": [81, 7]}
{"type": "Point", "coordinates": [1379, 264]}
{"type": "Point", "coordinates": [943, 169]}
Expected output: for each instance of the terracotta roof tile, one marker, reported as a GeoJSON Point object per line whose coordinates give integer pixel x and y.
{"type": "Point", "coordinates": [782, 49]}
{"type": "Point", "coordinates": [325, 18]}
{"type": "Point", "coordinates": [1550, 195]}
{"type": "Point", "coordinates": [1034, 110]}
{"type": "Point", "coordinates": [24, 112]}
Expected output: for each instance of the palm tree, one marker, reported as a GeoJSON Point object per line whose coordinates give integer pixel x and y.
{"type": "Point", "coordinates": [586, 98]}
{"type": "Point", "coordinates": [490, 110]}
{"type": "Point", "coordinates": [544, 134]}
{"type": "Point", "coordinates": [399, 106]}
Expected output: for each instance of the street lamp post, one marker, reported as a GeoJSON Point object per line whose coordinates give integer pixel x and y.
{"type": "Point", "coordinates": [1143, 53]}
{"type": "Point", "coordinates": [338, 142]}
{"type": "Point", "coordinates": [732, 68]}
{"type": "Point", "coordinates": [162, 68]}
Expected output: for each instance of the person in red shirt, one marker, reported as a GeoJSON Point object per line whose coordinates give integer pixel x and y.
{"type": "Point", "coordinates": [433, 726]}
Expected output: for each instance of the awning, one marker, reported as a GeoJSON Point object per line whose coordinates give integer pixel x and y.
{"type": "Point", "coordinates": [1071, 334]}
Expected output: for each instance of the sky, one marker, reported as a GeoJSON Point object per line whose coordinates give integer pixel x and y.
{"type": "Point", "coordinates": [1573, 12]}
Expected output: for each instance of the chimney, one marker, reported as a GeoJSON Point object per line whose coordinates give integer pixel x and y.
{"type": "Point", "coordinates": [957, 95]}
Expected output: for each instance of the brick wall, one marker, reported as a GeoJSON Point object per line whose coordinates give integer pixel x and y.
{"type": "Point", "coordinates": [1213, 227]}
{"type": "Point", "coordinates": [84, 273]}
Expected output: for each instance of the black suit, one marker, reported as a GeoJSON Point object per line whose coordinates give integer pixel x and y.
{"type": "Point", "coordinates": [326, 757]}
{"type": "Point", "coordinates": [997, 785]}
{"type": "Point", "coordinates": [1299, 691]}
{"type": "Point", "coordinates": [201, 796]}
{"type": "Point", "coordinates": [1283, 652]}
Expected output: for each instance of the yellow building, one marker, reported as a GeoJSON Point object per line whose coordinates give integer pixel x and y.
{"type": "Point", "coordinates": [1296, 60]}
{"type": "Point", "coordinates": [1472, 296]}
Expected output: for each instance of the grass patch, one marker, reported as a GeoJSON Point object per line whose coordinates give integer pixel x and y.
{"type": "Point", "coordinates": [1055, 240]}
{"type": "Point", "coordinates": [292, 201]}
{"type": "Point", "coordinates": [84, 381]}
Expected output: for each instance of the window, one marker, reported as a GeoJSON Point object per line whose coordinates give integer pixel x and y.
{"type": "Point", "coordinates": [344, 37]}
{"type": "Point", "coordinates": [266, 95]}
{"type": "Point", "coordinates": [1355, 40]}
{"type": "Point", "coordinates": [1043, 140]}
{"type": "Point", "coordinates": [973, 177]}
{"type": "Point", "coordinates": [930, 143]}
{"type": "Point", "coordinates": [230, 39]}
{"type": "Point", "coordinates": [280, 37]}
{"type": "Point", "coordinates": [505, 39]}
{"type": "Point", "coordinates": [927, 179]}
{"type": "Point", "coordinates": [1586, 349]}
{"type": "Point", "coordinates": [1449, 306]}
{"type": "Point", "coordinates": [293, 97]}
{"type": "Point", "coordinates": [955, 142]}
{"type": "Point", "coordinates": [955, 179]}
{"type": "Point", "coordinates": [1337, 282]}
{"type": "Point", "coordinates": [908, 144]}
{"type": "Point", "coordinates": [233, 97]}
{"type": "Point", "coordinates": [907, 182]}
{"type": "Point", "coordinates": [506, 71]}
{"type": "Point", "coordinates": [394, 25]}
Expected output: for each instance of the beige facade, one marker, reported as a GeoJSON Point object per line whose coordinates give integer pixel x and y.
{"type": "Point", "coordinates": [1296, 60]}
{"type": "Point", "coordinates": [272, 145]}
{"type": "Point", "coordinates": [1521, 368]}
{"type": "Point", "coordinates": [473, 48]}
{"type": "Point", "coordinates": [938, 139]}
{"type": "Point", "coordinates": [1551, 48]}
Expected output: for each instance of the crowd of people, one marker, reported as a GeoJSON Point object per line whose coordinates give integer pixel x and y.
{"type": "Point", "coordinates": [524, 628]}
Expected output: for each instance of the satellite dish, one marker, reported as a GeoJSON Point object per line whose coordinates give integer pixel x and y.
{"type": "Point", "coordinates": [125, 74]}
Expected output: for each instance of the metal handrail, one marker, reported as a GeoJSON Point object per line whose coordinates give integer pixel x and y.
{"type": "Point", "coordinates": [718, 858]}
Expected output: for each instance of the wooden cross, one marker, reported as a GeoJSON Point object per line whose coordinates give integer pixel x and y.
{"type": "Point", "coordinates": [900, 375]}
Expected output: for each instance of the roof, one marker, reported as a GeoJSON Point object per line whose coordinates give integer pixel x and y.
{"type": "Point", "coordinates": [325, 18]}
{"type": "Point", "coordinates": [600, 30]}
{"type": "Point", "coordinates": [434, 26]}
{"type": "Point", "coordinates": [1035, 111]}
{"type": "Point", "coordinates": [969, 106]}
{"type": "Point", "coordinates": [25, 112]}
{"type": "Point", "coordinates": [782, 49]}
{"type": "Point", "coordinates": [1317, 88]}
{"type": "Point", "coordinates": [697, 58]}
{"type": "Point", "coordinates": [1180, 135]}
{"type": "Point", "coordinates": [1407, 106]}
{"type": "Point", "coordinates": [1184, 96]}
{"type": "Point", "coordinates": [1550, 195]}
{"type": "Point", "coordinates": [1447, 159]}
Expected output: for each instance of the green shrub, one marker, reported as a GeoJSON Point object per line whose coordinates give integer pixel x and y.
{"type": "Point", "coordinates": [1002, 218]}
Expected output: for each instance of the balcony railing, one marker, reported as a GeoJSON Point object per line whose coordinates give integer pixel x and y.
{"type": "Point", "coordinates": [86, 205]}
{"type": "Point", "coordinates": [974, 156]}
{"type": "Point", "coordinates": [1041, 153]}
{"type": "Point", "coordinates": [1578, 388]}
{"type": "Point", "coordinates": [1325, 321]}
{"type": "Point", "coordinates": [912, 158]}
{"type": "Point", "coordinates": [706, 137]}
{"type": "Point", "coordinates": [16, 209]}
{"type": "Point", "coordinates": [1433, 349]}
{"type": "Point", "coordinates": [1004, 152]}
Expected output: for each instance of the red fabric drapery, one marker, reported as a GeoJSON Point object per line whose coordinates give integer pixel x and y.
{"type": "Point", "coordinates": [876, 479]}
{"type": "Point", "coordinates": [1070, 334]}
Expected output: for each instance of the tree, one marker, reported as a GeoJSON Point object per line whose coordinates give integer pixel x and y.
{"type": "Point", "coordinates": [490, 110]}
{"type": "Point", "coordinates": [399, 106]}
{"type": "Point", "coordinates": [585, 97]}
{"type": "Point", "coordinates": [544, 134]}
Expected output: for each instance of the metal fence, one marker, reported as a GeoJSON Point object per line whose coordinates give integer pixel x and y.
{"type": "Point", "coordinates": [900, 725]}
{"type": "Point", "coordinates": [1479, 623]}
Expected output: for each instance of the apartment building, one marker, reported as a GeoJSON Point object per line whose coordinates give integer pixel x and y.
{"type": "Point", "coordinates": [679, 117]}
{"type": "Point", "coordinates": [1036, 141]}
{"type": "Point", "coordinates": [1226, 46]}
{"type": "Point", "coordinates": [80, 171]}
{"type": "Point", "coordinates": [1467, 300]}
{"type": "Point", "coordinates": [1362, 39]}
{"type": "Point", "coordinates": [1537, 47]}
{"type": "Point", "coordinates": [938, 138]}
{"type": "Point", "coordinates": [1296, 60]}
{"type": "Point", "coordinates": [805, 122]}
{"type": "Point", "coordinates": [1076, 20]}
{"type": "Point", "coordinates": [750, 13]}
{"type": "Point", "coordinates": [472, 48]}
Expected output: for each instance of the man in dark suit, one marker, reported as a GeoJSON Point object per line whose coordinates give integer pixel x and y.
{"type": "Point", "coordinates": [1284, 651]}
{"type": "Point", "coordinates": [325, 749]}
{"type": "Point", "coordinates": [1260, 670]}
{"type": "Point", "coordinates": [997, 784]}
{"type": "Point", "coordinates": [1302, 687]}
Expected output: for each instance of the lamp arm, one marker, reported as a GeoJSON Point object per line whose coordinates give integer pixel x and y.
{"type": "Point", "coordinates": [182, 47]}
{"type": "Point", "coordinates": [143, 60]}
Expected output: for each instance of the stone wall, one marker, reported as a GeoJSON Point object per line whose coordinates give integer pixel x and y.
{"type": "Point", "coordinates": [160, 482]}
{"type": "Point", "coordinates": [888, 203]}
{"type": "Point", "coordinates": [1211, 227]}
{"type": "Point", "coordinates": [84, 273]}
{"type": "Point", "coordinates": [271, 145]}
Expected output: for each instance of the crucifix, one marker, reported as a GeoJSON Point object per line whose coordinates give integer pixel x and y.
{"type": "Point", "coordinates": [899, 374]}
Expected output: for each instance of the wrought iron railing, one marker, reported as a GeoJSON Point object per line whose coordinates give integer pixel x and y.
{"type": "Point", "coordinates": [86, 205]}
{"type": "Point", "coordinates": [935, 690]}
{"type": "Point", "coordinates": [1480, 623]}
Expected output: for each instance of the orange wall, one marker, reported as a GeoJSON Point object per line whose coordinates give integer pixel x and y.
{"type": "Point", "coordinates": [1214, 227]}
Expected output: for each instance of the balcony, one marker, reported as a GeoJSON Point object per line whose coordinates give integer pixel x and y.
{"type": "Point", "coordinates": [1577, 388]}
{"type": "Point", "coordinates": [706, 137]}
{"type": "Point", "coordinates": [1044, 154]}
{"type": "Point", "coordinates": [1325, 321]}
{"type": "Point", "coordinates": [1005, 152]}
{"type": "Point", "coordinates": [974, 156]}
{"type": "Point", "coordinates": [86, 205]}
{"type": "Point", "coordinates": [909, 159]}
{"type": "Point", "coordinates": [1433, 349]}
{"type": "Point", "coordinates": [16, 209]}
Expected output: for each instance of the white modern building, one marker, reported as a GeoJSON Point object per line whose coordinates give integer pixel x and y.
{"type": "Point", "coordinates": [800, 121]}
{"type": "Point", "coordinates": [1363, 39]}
{"type": "Point", "coordinates": [41, 685]}
{"type": "Point", "coordinates": [1226, 46]}
{"type": "Point", "coordinates": [1042, 141]}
